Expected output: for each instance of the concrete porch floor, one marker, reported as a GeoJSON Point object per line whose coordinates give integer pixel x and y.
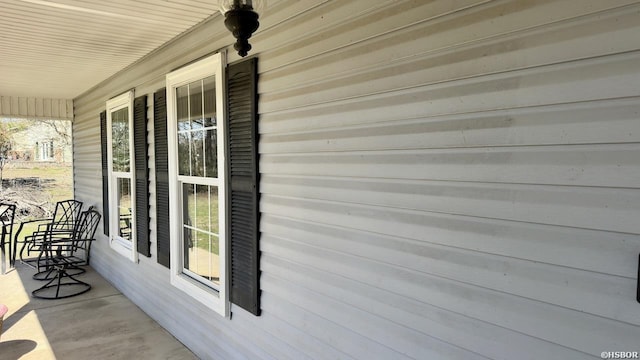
{"type": "Point", "coordinates": [99, 324]}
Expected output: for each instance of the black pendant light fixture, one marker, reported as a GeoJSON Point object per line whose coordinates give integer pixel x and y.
{"type": "Point", "coordinates": [241, 18]}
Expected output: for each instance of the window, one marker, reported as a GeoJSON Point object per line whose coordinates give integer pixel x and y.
{"type": "Point", "coordinates": [184, 120]}
{"type": "Point", "coordinates": [121, 187]}
{"type": "Point", "coordinates": [46, 150]}
{"type": "Point", "coordinates": [196, 169]}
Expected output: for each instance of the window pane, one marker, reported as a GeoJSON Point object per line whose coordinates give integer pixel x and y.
{"type": "Point", "coordinates": [197, 153]}
{"type": "Point", "coordinates": [182, 107]}
{"type": "Point", "coordinates": [211, 153]}
{"type": "Point", "coordinates": [214, 226]}
{"type": "Point", "coordinates": [195, 104]}
{"type": "Point", "coordinates": [120, 139]}
{"type": "Point", "coordinates": [200, 207]}
{"type": "Point", "coordinates": [183, 153]}
{"type": "Point", "coordinates": [202, 259]}
{"type": "Point", "coordinates": [200, 231]}
{"type": "Point", "coordinates": [125, 219]}
{"type": "Point", "coordinates": [209, 101]}
{"type": "Point", "coordinates": [194, 155]}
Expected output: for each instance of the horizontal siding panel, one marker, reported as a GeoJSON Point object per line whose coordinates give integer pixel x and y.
{"type": "Point", "coordinates": [598, 251]}
{"type": "Point", "coordinates": [317, 327]}
{"type": "Point", "coordinates": [345, 21]}
{"type": "Point", "coordinates": [280, 340]}
{"type": "Point", "coordinates": [537, 319]}
{"type": "Point", "coordinates": [445, 19]}
{"type": "Point", "coordinates": [603, 165]}
{"type": "Point", "coordinates": [584, 207]}
{"type": "Point", "coordinates": [613, 297]}
{"type": "Point", "coordinates": [483, 338]}
{"type": "Point", "coordinates": [600, 78]}
{"type": "Point", "coordinates": [371, 331]}
{"type": "Point", "coordinates": [525, 49]}
{"type": "Point", "coordinates": [295, 336]}
{"type": "Point", "coordinates": [598, 122]}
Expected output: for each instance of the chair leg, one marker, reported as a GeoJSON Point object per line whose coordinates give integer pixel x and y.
{"type": "Point", "coordinates": [9, 242]}
{"type": "Point", "coordinates": [59, 277]}
{"type": "Point", "coordinates": [44, 274]}
{"type": "Point", "coordinates": [47, 285]}
{"type": "Point", "coordinates": [24, 244]}
{"type": "Point", "coordinates": [15, 251]}
{"type": "Point", "coordinates": [61, 273]}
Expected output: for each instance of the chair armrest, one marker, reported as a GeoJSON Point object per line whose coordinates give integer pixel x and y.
{"type": "Point", "coordinates": [22, 224]}
{"type": "Point", "coordinates": [39, 236]}
{"type": "Point", "coordinates": [36, 220]}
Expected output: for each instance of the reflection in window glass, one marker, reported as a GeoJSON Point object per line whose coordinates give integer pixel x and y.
{"type": "Point", "coordinates": [183, 148]}
{"type": "Point", "coordinates": [197, 153]}
{"type": "Point", "coordinates": [120, 139]}
{"type": "Point", "coordinates": [182, 102]}
{"type": "Point", "coordinates": [124, 208]}
{"type": "Point", "coordinates": [209, 85]}
{"type": "Point", "coordinates": [197, 124]}
{"type": "Point", "coordinates": [211, 157]}
{"type": "Point", "coordinates": [201, 231]}
{"type": "Point", "coordinates": [195, 104]}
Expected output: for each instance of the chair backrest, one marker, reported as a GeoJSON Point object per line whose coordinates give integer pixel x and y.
{"type": "Point", "coordinates": [86, 227]}
{"type": "Point", "coordinates": [7, 214]}
{"type": "Point", "coordinates": [66, 214]}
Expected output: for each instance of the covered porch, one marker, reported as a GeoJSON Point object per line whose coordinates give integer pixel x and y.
{"type": "Point", "coordinates": [53, 52]}
{"type": "Point", "coordinates": [433, 179]}
{"type": "Point", "coordinates": [99, 324]}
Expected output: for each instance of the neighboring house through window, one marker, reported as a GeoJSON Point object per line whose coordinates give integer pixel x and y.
{"type": "Point", "coordinates": [46, 150]}
{"type": "Point", "coordinates": [121, 187]}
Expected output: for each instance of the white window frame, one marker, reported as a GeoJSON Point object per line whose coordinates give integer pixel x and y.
{"type": "Point", "coordinates": [215, 299]}
{"type": "Point", "coordinates": [123, 247]}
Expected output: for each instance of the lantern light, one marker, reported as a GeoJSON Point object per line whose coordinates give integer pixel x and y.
{"type": "Point", "coordinates": [241, 18]}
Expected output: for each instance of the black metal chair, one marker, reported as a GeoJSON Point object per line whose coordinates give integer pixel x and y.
{"type": "Point", "coordinates": [61, 258]}
{"type": "Point", "coordinates": [65, 217]}
{"type": "Point", "coordinates": [7, 214]}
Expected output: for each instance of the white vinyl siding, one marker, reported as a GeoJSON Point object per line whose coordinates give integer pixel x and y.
{"type": "Point", "coordinates": [439, 180]}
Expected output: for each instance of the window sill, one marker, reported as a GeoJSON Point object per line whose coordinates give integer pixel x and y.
{"type": "Point", "coordinates": [205, 295]}
{"type": "Point", "coordinates": [124, 248]}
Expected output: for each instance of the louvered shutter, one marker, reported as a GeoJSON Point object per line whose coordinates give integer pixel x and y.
{"type": "Point", "coordinates": [105, 173]}
{"type": "Point", "coordinates": [243, 193]}
{"type": "Point", "coordinates": [141, 174]}
{"type": "Point", "coordinates": [162, 175]}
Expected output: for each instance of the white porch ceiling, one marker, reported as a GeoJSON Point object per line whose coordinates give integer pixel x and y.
{"type": "Point", "coordinates": [61, 48]}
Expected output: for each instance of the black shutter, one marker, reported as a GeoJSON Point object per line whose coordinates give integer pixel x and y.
{"type": "Point", "coordinates": [243, 192]}
{"type": "Point", "coordinates": [105, 173]}
{"type": "Point", "coordinates": [141, 174]}
{"type": "Point", "coordinates": [162, 175]}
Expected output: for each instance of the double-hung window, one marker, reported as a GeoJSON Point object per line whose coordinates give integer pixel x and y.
{"type": "Point", "coordinates": [196, 143]}
{"type": "Point", "coordinates": [120, 175]}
